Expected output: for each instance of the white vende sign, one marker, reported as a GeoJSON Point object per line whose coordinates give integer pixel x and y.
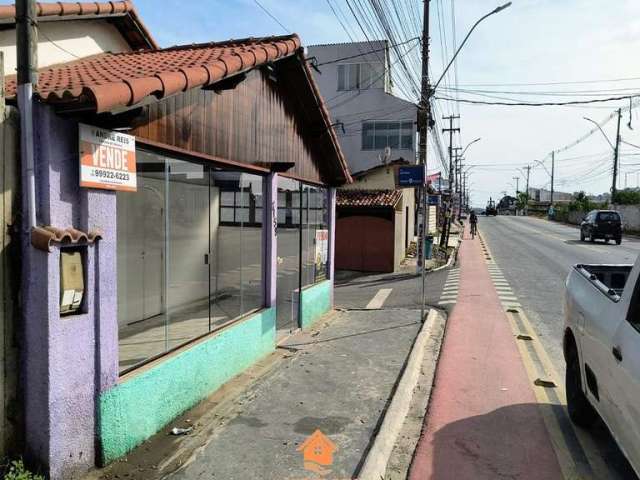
{"type": "Point", "coordinates": [107, 159]}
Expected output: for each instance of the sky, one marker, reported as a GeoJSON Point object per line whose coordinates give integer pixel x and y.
{"type": "Point", "coordinates": [532, 42]}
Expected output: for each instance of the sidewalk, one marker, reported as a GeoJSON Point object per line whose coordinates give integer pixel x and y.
{"type": "Point", "coordinates": [483, 420]}
{"type": "Point", "coordinates": [338, 377]}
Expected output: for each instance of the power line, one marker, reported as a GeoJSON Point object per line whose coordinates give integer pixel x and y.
{"type": "Point", "coordinates": [540, 104]}
{"type": "Point", "coordinates": [577, 82]}
{"type": "Point", "coordinates": [364, 53]}
{"type": "Point", "coordinates": [273, 17]}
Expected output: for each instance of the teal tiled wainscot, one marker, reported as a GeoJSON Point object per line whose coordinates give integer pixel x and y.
{"type": "Point", "coordinates": [316, 301]}
{"type": "Point", "coordinates": [137, 408]}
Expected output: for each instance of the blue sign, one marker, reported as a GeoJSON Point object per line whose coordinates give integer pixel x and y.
{"type": "Point", "coordinates": [412, 176]}
{"type": "Point", "coordinates": [433, 200]}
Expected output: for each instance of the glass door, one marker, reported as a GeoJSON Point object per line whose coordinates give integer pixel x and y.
{"type": "Point", "coordinates": [187, 237]}
{"type": "Point", "coordinates": [288, 262]}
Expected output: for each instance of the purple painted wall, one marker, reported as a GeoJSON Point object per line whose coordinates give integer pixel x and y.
{"type": "Point", "coordinates": [67, 359]}
{"type": "Point", "coordinates": [270, 246]}
{"type": "Point", "coordinates": [331, 192]}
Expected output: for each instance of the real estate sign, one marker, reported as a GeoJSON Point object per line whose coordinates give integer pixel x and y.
{"type": "Point", "coordinates": [321, 254]}
{"type": "Point", "coordinates": [107, 159]}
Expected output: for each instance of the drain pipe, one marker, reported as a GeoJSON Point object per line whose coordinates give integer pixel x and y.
{"type": "Point", "coordinates": [27, 52]}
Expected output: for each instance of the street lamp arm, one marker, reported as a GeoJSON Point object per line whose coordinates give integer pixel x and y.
{"type": "Point", "coordinates": [496, 10]}
{"type": "Point", "coordinates": [543, 166]}
{"type": "Point", "coordinates": [470, 143]}
{"type": "Point", "coordinates": [601, 131]}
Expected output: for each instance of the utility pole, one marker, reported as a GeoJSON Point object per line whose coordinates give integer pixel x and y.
{"type": "Point", "coordinates": [526, 205]}
{"type": "Point", "coordinates": [460, 185]}
{"type": "Point", "coordinates": [27, 51]}
{"type": "Point", "coordinates": [553, 171]}
{"type": "Point", "coordinates": [424, 114]}
{"type": "Point", "coordinates": [615, 159]}
{"type": "Point", "coordinates": [444, 239]}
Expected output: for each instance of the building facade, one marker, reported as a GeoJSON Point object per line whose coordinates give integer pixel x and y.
{"type": "Point", "coordinates": [140, 302]}
{"type": "Point", "coordinates": [376, 129]}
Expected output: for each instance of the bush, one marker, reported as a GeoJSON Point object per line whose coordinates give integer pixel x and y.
{"type": "Point", "coordinates": [17, 471]}
{"type": "Point", "coordinates": [626, 197]}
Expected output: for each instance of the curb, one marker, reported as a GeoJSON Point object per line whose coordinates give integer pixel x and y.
{"type": "Point", "coordinates": [452, 258]}
{"type": "Point", "coordinates": [375, 464]}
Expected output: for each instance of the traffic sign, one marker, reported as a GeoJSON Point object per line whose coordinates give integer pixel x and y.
{"type": "Point", "coordinates": [412, 176]}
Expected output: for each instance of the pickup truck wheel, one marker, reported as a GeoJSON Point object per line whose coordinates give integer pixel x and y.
{"type": "Point", "coordinates": [592, 239]}
{"type": "Point", "coordinates": [618, 241]}
{"type": "Point", "coordinates": [580, 410]}
{"type": "Point", "coordinates": [581, 236]}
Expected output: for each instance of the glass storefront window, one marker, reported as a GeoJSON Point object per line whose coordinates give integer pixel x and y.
{"type": "Point", "coordinates": [315, 234]}
{"type": "Point", "coordinates": [189, 254]}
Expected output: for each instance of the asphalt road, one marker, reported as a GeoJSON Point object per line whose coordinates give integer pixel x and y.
{"type": "Point", "coordinates": [535, 257]}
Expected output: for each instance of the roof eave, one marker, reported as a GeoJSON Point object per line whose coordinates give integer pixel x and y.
{"type": "Point", "coordinates": [344, 167]}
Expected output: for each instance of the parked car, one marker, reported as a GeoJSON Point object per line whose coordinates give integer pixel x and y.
{"type": "Point", "coordinates": [603, 224]}
{"type": "Point", "coordinates": [602, 351]}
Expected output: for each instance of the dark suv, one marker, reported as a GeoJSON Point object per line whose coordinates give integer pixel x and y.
{"type": "Point", "coordinates": [604, 224]}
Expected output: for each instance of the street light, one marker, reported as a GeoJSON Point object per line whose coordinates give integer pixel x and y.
{"type": "Point", "coordinates": [469, 144]}
{"type": "Point", "coordinates": [493, 12]}
{"type": "Point", "coordinates": [601, 131]}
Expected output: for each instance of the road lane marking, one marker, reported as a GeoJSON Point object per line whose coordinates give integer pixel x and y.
{"type": "Point", "coordinates": [378, 299]}
{"type": "Point", "coordinates": [576, 450]}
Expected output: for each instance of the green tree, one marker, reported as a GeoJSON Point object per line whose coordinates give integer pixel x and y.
{"type": "Point", "coordinates": [522, 200]}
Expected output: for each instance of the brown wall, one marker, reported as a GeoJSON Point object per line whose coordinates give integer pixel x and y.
{"type": "Point", "coordinates": [259, 121]}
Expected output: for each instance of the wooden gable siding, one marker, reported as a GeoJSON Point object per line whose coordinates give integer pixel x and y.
{"type": "Point", "coordinates": [258, 122]}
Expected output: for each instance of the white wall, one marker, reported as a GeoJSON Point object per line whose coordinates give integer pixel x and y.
{"type": "Point", "coordinates": [64, 41]}
{"type": "Point", "coordinates": [630, 216]}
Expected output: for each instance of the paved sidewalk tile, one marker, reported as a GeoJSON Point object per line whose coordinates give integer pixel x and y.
{"type": "Point", "coordinates": [338, 381]}
{"type": "Point", "coordinates": [483, 420]}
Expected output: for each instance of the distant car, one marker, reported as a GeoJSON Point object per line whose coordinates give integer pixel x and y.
{"type": "Point", "coordinates": [601, 224]}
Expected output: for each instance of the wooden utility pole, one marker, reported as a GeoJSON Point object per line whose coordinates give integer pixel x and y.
{"type": "Point", "coordinates": [616, 151]}
{"type": "Point", "coordinates": [444, 239]}
{"type": "Point", "coordinates": [424, 113]}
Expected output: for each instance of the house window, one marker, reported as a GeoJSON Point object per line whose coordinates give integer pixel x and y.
{"type": "Point", "coordinates": [360, 76]}
{"type": "Point", "coordinates": [378, 135]}
{"type": "Point", "coordinates": [189, 254]}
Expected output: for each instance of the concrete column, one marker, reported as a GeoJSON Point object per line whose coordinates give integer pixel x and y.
{"type": "Point", "coordinates": [331, 204]}
{"type": "Point", "coordinates": [67, 360]}
{"type": "Point", "coordinates": [269, 234]}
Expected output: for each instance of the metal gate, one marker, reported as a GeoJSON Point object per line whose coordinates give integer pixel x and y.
{"type": "Point", "coordinates": [365, 243]}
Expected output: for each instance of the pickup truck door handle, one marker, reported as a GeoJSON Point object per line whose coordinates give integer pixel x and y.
{"type": "Point", "coordinates": [617, 353]}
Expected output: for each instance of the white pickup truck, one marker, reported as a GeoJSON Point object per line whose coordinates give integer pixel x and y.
{"type": "Point", "coordinates": [602, 351]}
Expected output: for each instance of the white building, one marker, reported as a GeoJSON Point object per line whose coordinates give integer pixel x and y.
{"type": "Point", "coordinates": [356, 83]}
{"type": "Point", "coordinates": [374, 126]}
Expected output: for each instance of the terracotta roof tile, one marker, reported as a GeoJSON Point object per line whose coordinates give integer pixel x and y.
{"type": "Point", "coordinates": [112, 80]}
{"type": "Point", "coordinates": [43, 237]}
{"type": "Point", "coordinates": [84, 9]}
{"type": "Point", "coordinates": [368, 198]}
{"type": "Point", "coordinates": [72, 8]}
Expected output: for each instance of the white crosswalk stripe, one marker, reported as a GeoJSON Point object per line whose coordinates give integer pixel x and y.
{"type": "Point", "coordinates": [449, 295]}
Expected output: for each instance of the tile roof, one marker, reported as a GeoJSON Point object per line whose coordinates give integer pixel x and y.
{"type": "Point", "coordinates": [368, 198]}
{"type": "Point", "coordinates": [89, 10]}
{"type": "Point", "coordinates": [111, 80]}
{"type": "Point", "coordinates": [42, 238]}
{"type": "Point", "coordinates": [71, 8]}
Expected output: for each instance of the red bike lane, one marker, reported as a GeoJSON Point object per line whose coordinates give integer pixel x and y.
{"type": "Point", "coordinates": [483, 421]}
